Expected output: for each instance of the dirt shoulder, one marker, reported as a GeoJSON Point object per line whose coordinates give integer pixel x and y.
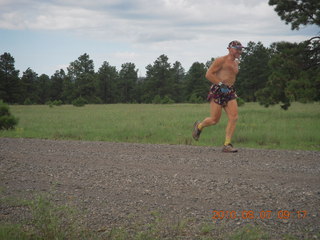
{"type": "Point", "coordinates": [113, 182]}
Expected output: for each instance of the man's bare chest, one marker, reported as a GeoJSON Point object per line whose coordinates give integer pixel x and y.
{"type": "Point", "coordinates": [230, 67]}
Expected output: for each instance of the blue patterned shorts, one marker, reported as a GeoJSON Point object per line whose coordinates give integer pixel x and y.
{"type": "Point", "coordinates": [220, 98]}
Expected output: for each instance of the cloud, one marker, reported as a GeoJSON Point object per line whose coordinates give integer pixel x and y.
{"type": "Point", "coordinates": [50, 17]}
{"type": "Point", "coordinates": [125, 56]}
{"type": "Point", "coordinates": [139, 20]}
{"type": "Point", "coordinates": [141, 30]}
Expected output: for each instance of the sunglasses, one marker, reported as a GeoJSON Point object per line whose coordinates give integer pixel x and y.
{"type": "Point", "coordinates": [237, 47]}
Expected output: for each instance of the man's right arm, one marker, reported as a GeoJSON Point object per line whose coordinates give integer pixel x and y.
{"type": "Point", "coordinates": [211, 74]}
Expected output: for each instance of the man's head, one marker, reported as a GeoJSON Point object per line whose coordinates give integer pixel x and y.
{"type": "Point", "coordinates": [235, 49]}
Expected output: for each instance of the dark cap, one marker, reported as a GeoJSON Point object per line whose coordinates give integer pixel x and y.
{"type": "Point", "coordinates": [235, 44]}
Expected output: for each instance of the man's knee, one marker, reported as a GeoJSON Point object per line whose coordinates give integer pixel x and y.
{"type": "Point", "coordinates": [213, 121]}
{"type": "Point", "coordinates": [233, 117]}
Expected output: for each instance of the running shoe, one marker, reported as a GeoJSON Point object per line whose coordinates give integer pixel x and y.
{"type": "Point", "coordinates": [229, 149]}
{"type": "Point", "coordinates": [196, 132]}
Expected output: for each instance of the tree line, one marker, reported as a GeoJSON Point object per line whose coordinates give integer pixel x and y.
{"type": "Point", "coordinates": [163, 81]}
{"type": "Point", "coordinates": [281, 73]}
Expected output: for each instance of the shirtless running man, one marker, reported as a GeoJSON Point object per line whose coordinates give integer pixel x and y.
{"type": "Point", "coordinates": [222, 73]}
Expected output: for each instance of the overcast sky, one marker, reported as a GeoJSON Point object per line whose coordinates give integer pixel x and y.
{"type": "Point", "coordinates": [46, 35]}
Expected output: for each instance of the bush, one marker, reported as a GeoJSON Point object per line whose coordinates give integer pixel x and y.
{"type": "Point", "coordinates": [79, 102]}
{"type": "Point", "coordinates": [156, 100]}
{"type": "Point", "coordinates": [54, 103]}
{"type": "Point", "coordinates": [27, 102]}
{"type": "Point", "coordinates": [195, 99]}
{"type": "Point", "coordinates": [165, 100]}
{"type": "Point", "coordinates": [49, 103]}
{"type": "Point", "coordinates": [240, 102]}
{"type": "Point", "coordinates": [7, 121]}
{"type": "Point", "coordinates": [57, 102]}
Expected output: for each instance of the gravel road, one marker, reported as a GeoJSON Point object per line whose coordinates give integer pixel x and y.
{"type": "Point", "coordinates": [111, 182]}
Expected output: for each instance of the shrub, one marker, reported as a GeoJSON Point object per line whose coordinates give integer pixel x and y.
{"type": "Point", "coordinates": [79, 102]}
{"type": "Point", "coordinates": [27, 102]}
{"type": "Point", "coordinates": [49, 103]}
{"type": "Point", "coordinates": [7, 121]}
{"type": "Point", "coordinates": [156, 99]}
{"type": "Point", "coordinates": [57, 102]}
{"type": "Point", "coordinates": [195, 99]}
{"type": "Point", "coordinates": [240, 102]}
{"type": "Point", "coordinates": [165, 100]}
{"type": "Point", "coordinates": [54, 103]}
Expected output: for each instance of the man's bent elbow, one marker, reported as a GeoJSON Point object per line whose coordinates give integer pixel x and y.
{"type": "Point", "coordinates": [209, 77]}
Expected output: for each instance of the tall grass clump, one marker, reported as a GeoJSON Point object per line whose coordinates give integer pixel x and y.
{"type": "Point", "coordinates": [49, 221]}
{"type": "Point", "coordinates": [13, 232]}
{"type": "Point", "coordinates": [46, 221]}
{"type": "Point", "coordinates": [249, 232]}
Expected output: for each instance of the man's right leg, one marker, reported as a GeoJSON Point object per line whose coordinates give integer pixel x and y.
{"type": "Point", "coordinates": [215, 114]}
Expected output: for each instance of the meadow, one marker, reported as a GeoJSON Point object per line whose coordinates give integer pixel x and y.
{"type": "Point", "coordinates": [257, 127]}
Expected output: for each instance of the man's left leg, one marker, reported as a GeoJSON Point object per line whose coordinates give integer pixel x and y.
{"type": "Point", "coordinates": [232, 112]}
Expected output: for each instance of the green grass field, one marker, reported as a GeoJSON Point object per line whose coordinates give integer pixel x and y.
{"type": "Point", "coordinates": [257, 127]}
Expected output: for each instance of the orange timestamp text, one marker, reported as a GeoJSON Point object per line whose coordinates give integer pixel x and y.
{"type": "Point", "coordinates": [250, 214]}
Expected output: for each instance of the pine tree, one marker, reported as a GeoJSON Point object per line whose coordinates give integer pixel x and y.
{"type": "Point", "coordinates": [10, 88]}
